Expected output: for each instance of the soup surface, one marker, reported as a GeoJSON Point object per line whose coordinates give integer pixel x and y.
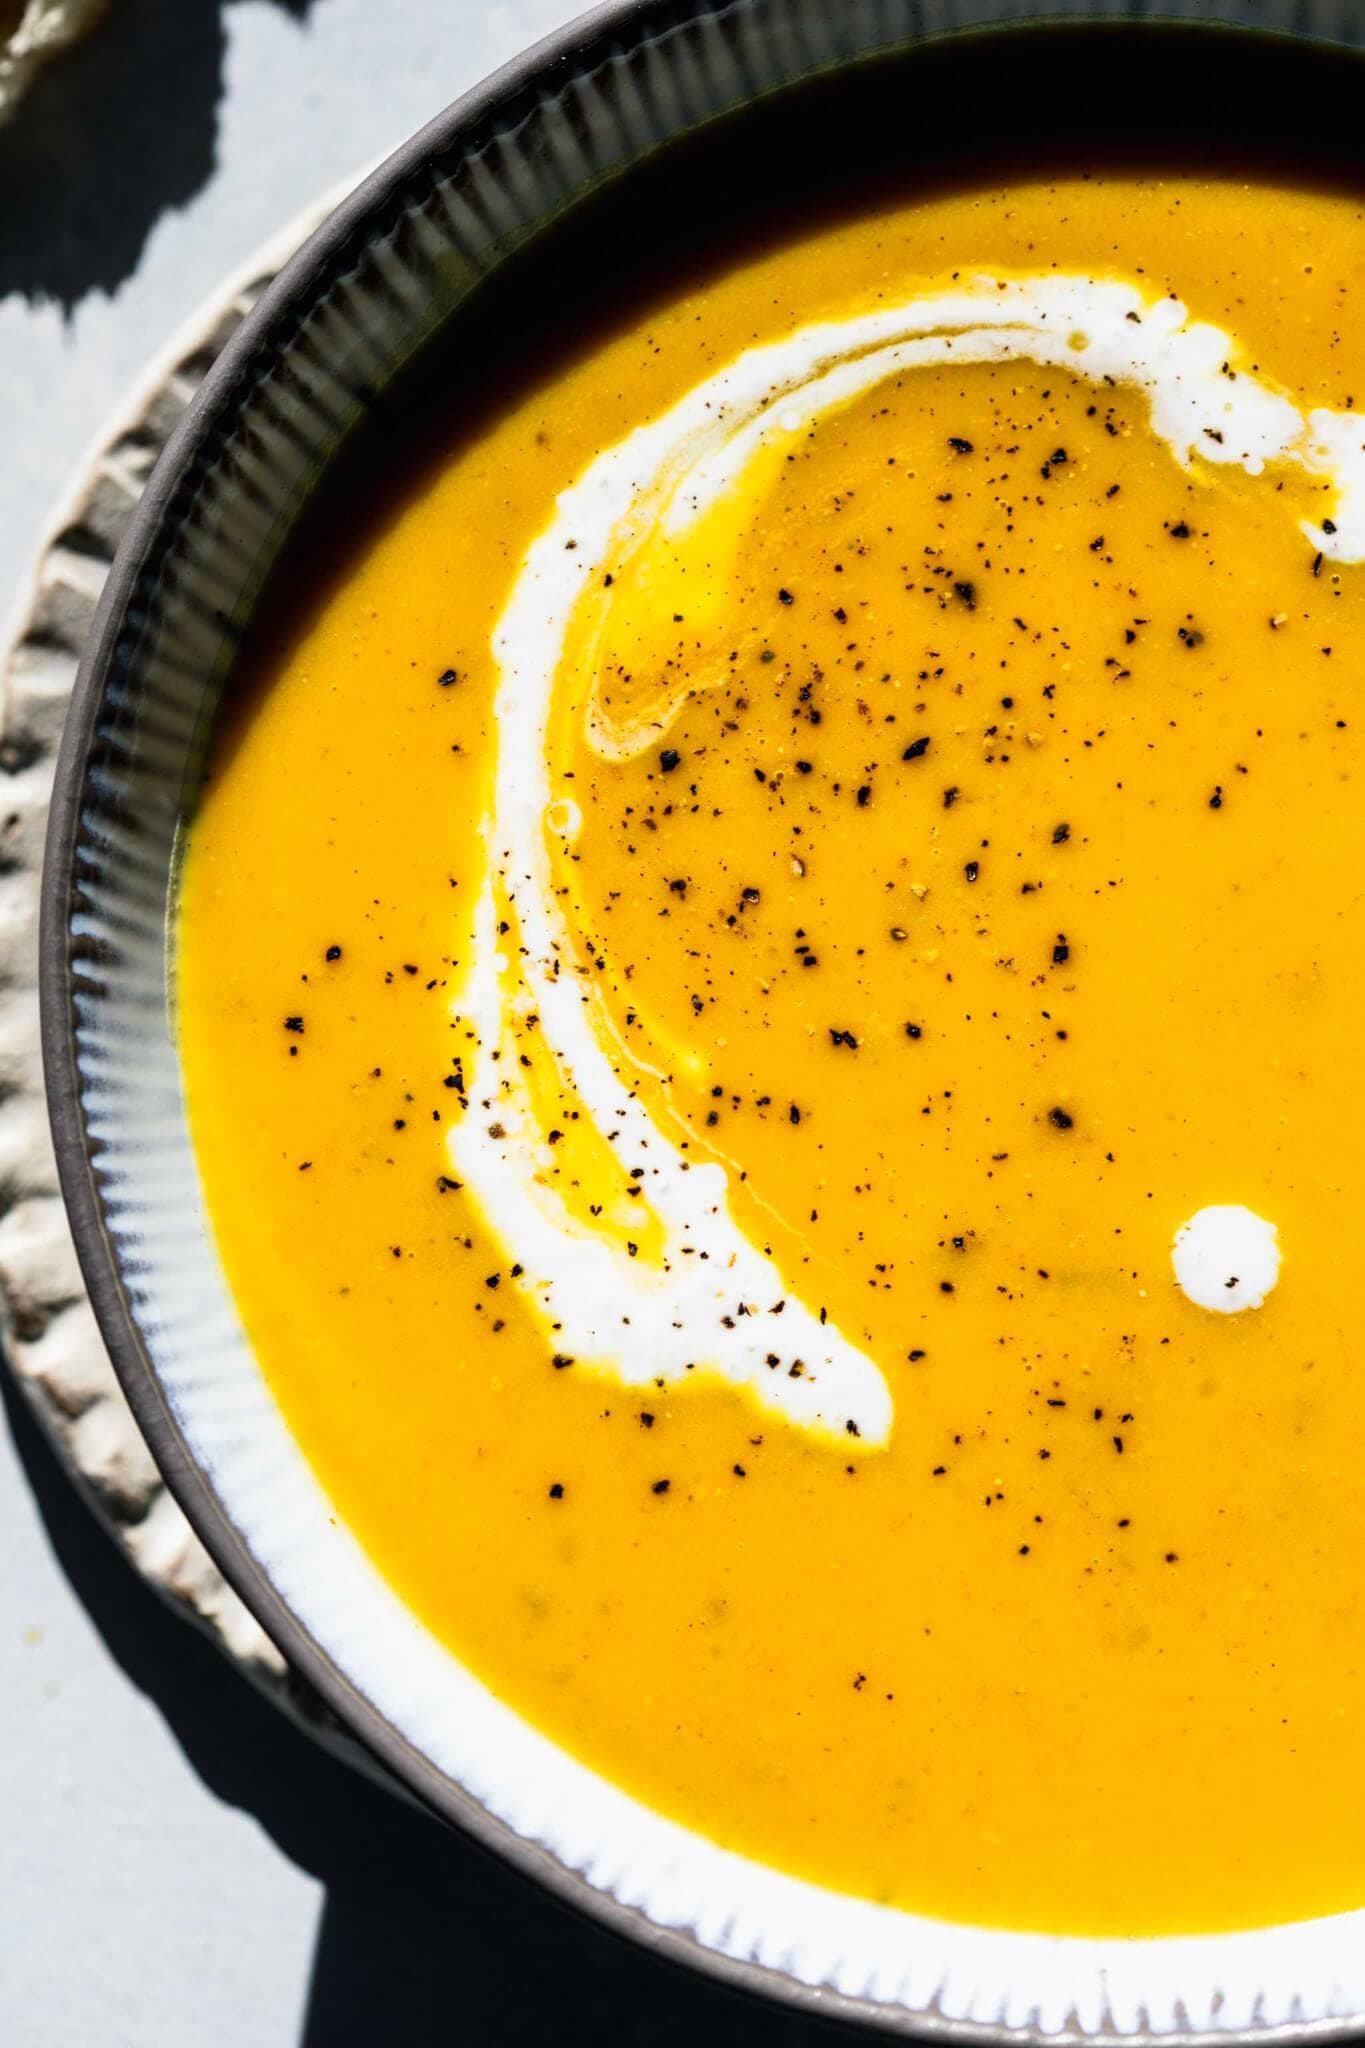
{"type": "Point", "coordinates": [713, 973]}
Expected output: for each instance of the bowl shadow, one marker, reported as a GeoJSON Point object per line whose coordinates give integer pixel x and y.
{"type": "Point", "coordinates": [423, 1935]}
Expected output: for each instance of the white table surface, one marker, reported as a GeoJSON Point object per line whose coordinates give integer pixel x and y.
{"type": "Point", "coordinates": [179, 1867]}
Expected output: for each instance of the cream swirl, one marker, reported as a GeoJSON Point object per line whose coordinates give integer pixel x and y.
{"type": "Point", "coordinates": [710, 1300]}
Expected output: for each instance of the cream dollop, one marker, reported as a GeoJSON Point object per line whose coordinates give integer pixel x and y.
{"type": "Point", "coordinates": [1226, 1258]}
{"type": "Point", "coordinates": [713, 1300]}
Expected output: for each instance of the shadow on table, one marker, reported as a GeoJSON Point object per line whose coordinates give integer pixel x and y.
{"type": "Point", "coordinates": [113, 133]}
{"type": "Point", "coordinates": [424, 1938]}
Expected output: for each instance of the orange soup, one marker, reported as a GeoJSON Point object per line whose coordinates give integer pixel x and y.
{"type": "Point", "coordinates": [769, 993]}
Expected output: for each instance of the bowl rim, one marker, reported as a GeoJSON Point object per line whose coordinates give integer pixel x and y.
{"type": "Point", "coordinates": [492, 103]}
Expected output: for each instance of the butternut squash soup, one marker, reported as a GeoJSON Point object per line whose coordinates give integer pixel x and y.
{"type": "Point", "coordinates": [770, 996]}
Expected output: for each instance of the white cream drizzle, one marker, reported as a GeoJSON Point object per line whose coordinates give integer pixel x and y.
{"type": "Point", "coordinates": [715, 1302]}
{"type": "Point", "coordinates": [1226, 1258]}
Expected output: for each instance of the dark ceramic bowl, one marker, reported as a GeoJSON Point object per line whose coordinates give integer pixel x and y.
{"type": "Point", "coordinates": [630, 131]}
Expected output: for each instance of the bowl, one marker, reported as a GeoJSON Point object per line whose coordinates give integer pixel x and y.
{"type": "Point", "coordinates": [626, 134]}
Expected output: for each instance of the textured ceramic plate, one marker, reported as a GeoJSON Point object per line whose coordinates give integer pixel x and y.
{"type": "Point", "coordinates": [390, 271]}
{"type": "Point", "coordinates": [48, 1334]}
